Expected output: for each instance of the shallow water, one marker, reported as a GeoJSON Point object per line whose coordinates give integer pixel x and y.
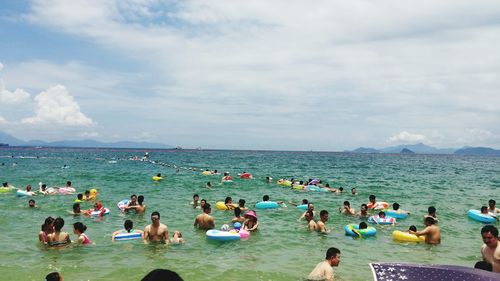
{"type": "Point", "coordinates": [282, 249]}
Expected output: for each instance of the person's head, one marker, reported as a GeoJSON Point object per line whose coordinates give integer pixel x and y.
{"type": "Point", "coordinates": [162, 274]}
{"type": "Point", "coordinates": [429, 221]}
{"type": "Point", "coordinates": [353, 190]}
{"type": "Point", "coordinates": [79, 196]}
{"type": "Point", "coordinates": [228, 200]}
{"type": "Point", "coordinates": [133, 198]}
{"type": "Point", "coordinates": [207, 209]}
{"type": "Point", "coordinates": [140, 199]}
{"type": "Point", "coordinates": [53, 276]}
{"type": "Point", "coordinates": [128, 225]}
{"type": "Point", "coordinates": [310, 206]}
{"type": "Point", "coordinates": [44, 186]}
{"type": "Point", "coordinates": [364, 207]}
{"type": "Point", "coordinates": [333, 256]}
{"type": "Point", "coordinates": [237, 212]}
{"type": "Point", "coordinates": [31, 203]}
{"type": "Point", "coordinates": [347, 204]}
{"type": "Point", "coordinates": [79, 227]}
{"type": "Point", "coordinates": [196, 197]}
{"type": "Point", "coordinates": [484, 210]}
{"type": "Point", "coordinates": [177, 234]}
{"type": "Point", "coordinates": [5, 184]}
{"type": "Point", "coordinates": [363, 225]}
{"type": "Point", "coordinates": [97, 206]}
{"type": "Point", "coordinates": [341, 189]}
{"type": "Point", "coordinates": [412, 228]}
{"type": "Point", "coordinates": [484, 265]}
{"type": "Point", "coordinates": [304, 202]}
{"type": "Point", "coordinates": [489, 233]}
{"type": "Point", "coordinates": [241, 203]}
{"type": "Point", "coordinates": [76, 208]}
{"type": "Point", "coordinates": [372, 198]}
{"type": "Point", "coordinates": [381, 214]}
{"type": "Point", "coordinates": [251, 215]}
{"type": "Point", "coordinates": [28, 187]}
{"type": "Point", "coordinates": [327, 185]}
{"type": "Point", "coordinates": [48, 225]}
{"type": "Point", "coordinates": [491, 203]}
{"type": "Point", "coordinates": [431, 210]}
{"type": "Point", "coordinates": [323, 215]}
{"type": "Point", "coordinates": [309, 215]}
{"type": "Point", "coordinates": [395, 206]}
{"type": "Point", "coordinates": [265, 198]}
{"type": "Point", "coordinates": [155, 217]}
{"type": "Point", "coordinates": [68, 183]}
{"type": "Point", "coordinates": [158, 175]}
{"type": "Point", "coordinates": [58, 224]}
{"type": "Point", "coordinates": [203, 202]}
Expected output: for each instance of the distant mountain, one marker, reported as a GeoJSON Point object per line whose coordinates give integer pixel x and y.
{"type": "Point", "coordinates": [406, 151]}
{"type": "Point", "coordinates": [12, 141]}
{"type": "Point", "coordinates": [419, 148]}
{"type": "Point", "coordinates": [478, 151]}
{"type": "Point", "coordinates": [365, 150]}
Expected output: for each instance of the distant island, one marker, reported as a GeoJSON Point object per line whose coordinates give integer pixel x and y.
{"type": "Point", "coordinates": [421, 148]}
{"type": "Point", "coordinates": [8, 141]}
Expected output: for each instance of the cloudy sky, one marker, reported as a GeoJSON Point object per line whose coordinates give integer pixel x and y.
{"type": "Point", "coordinates": [294, 75]}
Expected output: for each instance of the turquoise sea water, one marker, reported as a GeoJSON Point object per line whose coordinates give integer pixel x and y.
{"type": "Point", "coordinates": [283, 249]}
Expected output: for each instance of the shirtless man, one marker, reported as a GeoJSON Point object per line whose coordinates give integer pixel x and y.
{"type": "Point", "coordinates": [310, 207]}
{"type": "Point", "coordinates": [156, 231]}
{"type": "Point", "coordinates": [311, 224]}
{"type": "Point", "coordinates": [346, 209]}
{"type": "Point", "coordinates": [204, 220]}
{"type": "Point", "coordinates": [323, 218]}
{"type": "Point", "coordinates": [324, 270]}
{"type": "Point", "coordinates": [431, 232]}
{"type": "Point", "coordinates": [492, 208]}
{"type": "Point", "coordinates": [491, 249]}
{"type": "Point", "coordinates": [140, 207]}
{"type": "Point", "coordinates": [131, 203]}
{"type": "Point", "coordinates": [363, 211]}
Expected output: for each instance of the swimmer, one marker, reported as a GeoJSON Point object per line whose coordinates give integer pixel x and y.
{"type": "Point", "coordinates": [362, 225]}
{"type": "Point", "coordinates": [196, 202]}
{"type": "Point", "coordinates": [47, 228]}
{"type": "Point", "coordinates": [431, 232]}
{"type": "Point", "coordinates": [310, 207]}
{"type": "Point", "coordinates": [237, 216]}
{"type": "Point", "coordinates": [31, 204]}
{"type": "Point", "coordinates": [431, 212]}
{"type": "Point", "coordinates": [79, 198]}
{"type": "Point", "coordinates": [311, 224]}
{"type": "Point", "coordinates": [395, 207]}
{"type": "Point", "coordinates": [265, 198]}
{"type": "Point", "coordinates": [79, 229]}
{"type": "Point", "coordinates": [76, 209]}
{"type": "Point", "coordinates": [251, 224]}
{"type": "Point", "coordinates": [97, 208]}
{"type": "Point", "coordinates": [324, 269]}
{"type": "Point", "coordinates": [54, 276]}
{"type": "Point", "coordinates": [58, 238]}
{"type": "Point", "coordinates": [128, 228]}
{"type": "Point", "coordinates": [303, 202]}
{"type": "Point", "coordinates": [209, 185]}
{"type": "Point", "coordinates": [323, 218]}
{"type": "Point", "coordinates": [156, 231]}
{"type": "Point", "coordinates": [490, 250]}
{"type": "Point", "coordinates": [131, 203]}
{"type": "Point", "coordinates": [203, 202]}
{"type": "Point", "coordinates": [204, 220]}
{"type": "Point", "coordinates": [269, 179]}
{"type": "Point", "coordinates": [229, 203]}
{"type": "Point", "coordinates": [363, 211]}
{"type": "Point", "coordinates": [241, 204]}
{"type": "Point", "coordinates": [226, 177]}
{"type": "Point", "coordinates": [492, 208]}
{"type": "Point", "coordinates": [177, 238]}
{"type": "Point", "coordinates": [412, 228]}
{"type": "Point", "coordinates": [354, 191]}
{"type": "Point", "coordinates": [346, 209]}
{"type": "Point", "coordinates": [87, 196]}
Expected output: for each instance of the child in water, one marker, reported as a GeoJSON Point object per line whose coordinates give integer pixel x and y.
{"type": "Point", "coordinates": [79, 229]}
{"type": "Point", "coordinates": [177, 238]}
{"type": "Point", "coordinates": [128, 228]}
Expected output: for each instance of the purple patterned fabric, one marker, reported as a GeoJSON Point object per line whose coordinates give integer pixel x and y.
{"type": "Point", "coordinates": [430, 272]}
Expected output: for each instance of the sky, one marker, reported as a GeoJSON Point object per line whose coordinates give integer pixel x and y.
{"type": "Point", "coordinates": [275, 75]}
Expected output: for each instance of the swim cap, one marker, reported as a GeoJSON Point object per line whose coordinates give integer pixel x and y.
{"type": "Point", "coordinates": [237, 225]}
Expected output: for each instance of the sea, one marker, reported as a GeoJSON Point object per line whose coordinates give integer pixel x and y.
{"type": "Point", "coordinates": [282, 248]}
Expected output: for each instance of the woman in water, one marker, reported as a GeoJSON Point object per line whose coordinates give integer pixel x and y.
{"type": "Point", "coordinates": [251, 223]}
{"type": "Point", "coordinates": [79, 229]}
{"type": "Point", "coordinates": [128, 228]}
{"type": "Point", "coordinates": [58, 238]}
{"type": "Point", "coordinates": [47, 228]}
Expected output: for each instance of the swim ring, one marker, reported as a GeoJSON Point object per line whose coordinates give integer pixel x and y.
{"type": "Point", "coordinates": [284, 183]}
{"type": "Point", "coordinates": [314, 181]}
{"type": "Point", "coordinates": [378, 220]}
{"type": "Point", "coordinates": [66, 190]}
{"type": "Point", "coordinates": [22, 193]}
{"type": "Point", "coordinates": [246, 176]}
{"type": "Point", "coordinates": [6, 189]}
{"type": "Point", "coordinates": [298, 186]}
{"type": "Point", "coordinates": [217, 235]}
{"type": "Point", "coordinates": [370, 231]}
{"type": "Point", "coordinates": [122, 204]}
{"type": "Point", "coordinates": [477, 216]}
{"type": "Point", "coordinates": [98, 213]}
{"type": "Point", "coordinates": [314, 188]}
{"type": "Point", "coordinates": [302, 207]}
{"type": "Point", "coordinates": [206, 173]}
{"type": "Point", "coordinates": [406, 237]}
{"type": "Point", "coordinates": [220, 205]}
{"type": "Point", "coordinates": [266, 205]}
{"type": "Point", "coordinates": [128, 236]}
{"type": "Point", "coordinates": [156, 178]}
{"type": "Point", "coordinates": [396, 214]}
{"type": "Point", "coordinates": [378, 205]}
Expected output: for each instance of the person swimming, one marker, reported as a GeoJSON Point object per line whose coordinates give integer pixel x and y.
{"type": "Point", "coordinates": [58, 238]}
{"type": "Point", "coordinates": [79, 229]}
{"type": "Point", "coordinates": [128, 227]}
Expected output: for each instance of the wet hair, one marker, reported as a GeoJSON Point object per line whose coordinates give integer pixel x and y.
{"type": "Point", "coordinates": [332, 252]}
{"type": "Point", "coordinates": [430, 220]}
{"type": "Point", "coordinates": [87, 192]}
{"type": "Point", "coordinates": [323, 212]}
{"type": "Point", "coordinates": [226, 201]}
{"type": "Point", "coordinates": [68, 183]}
{"type": "Point", "coordinates": [128, 225]}
{"type": "Point", "coordinates": [237, 211]}
{"type": "Point", "coordinates": [44, 186]}
{"type": "Point", "coordinates": [347, 203]}
{"type": "Point", "coordinates": [341, 188]}
{"type": "Point", "coordinates": [381, 213]}
{"type": "Point", "coordinates": [75, 206]}
{"type": "Point", "coordinates": [155, 213]}
{"type": "Point", "coordinates": [395, 206]}
{"type": "Point", "coordinates": [363, 225]}
{"type": "Point", "coordinates": [431, 210]}
{"type": "Point", "coordinates": [484, 209]}
{"type": "Point", "coordinates": [203, 200]}
{"type": "Point", "coordinates": [80, 227]}
{"type": "Point", "coordinates": [310, 213]}
{"type": "Point", "coordinates": [242, 202]}
{"type": "Point", "coordinates": [371, 197]}
{"type": "Point", "coordinates": [412, 228]}
{"type": "Point", "coordinates": [207, 207]}
{"type": "Point", "coordinates": [31, 201]}
{"type": "Point", "coordinates": [491, 201]}
{"type": "Point", "coordinates": [196, 195]}
{"type": "Point", "coordinates": [364, 205]}
{"type": "Point", "coordinates": [5, 184]}
{"type": "Point", "coordinates": [491, 229]}
{"type": "Point", "coordinates": [265, 198]}
{"type": "Point", "coordinates": [158, 175]}
{"type": "Point", "coordinates": [79, 196]}
{"type": "Point", "coordinates": [133, 195]}
{"type": "Point", "coordinates": [140, 199]}
{"type": "Point", "coordinates": [162, 274]}
{"type": "Point", "coordinates": [305, 202]}
{"type": "Point", "coordinates": [53, 276]}
{"type": "Point", "coordinates": [48, 220]}
{"type": "Point", "coordinates": [484, 265]}
{"type": "Point", "coordinates": [58, 223]}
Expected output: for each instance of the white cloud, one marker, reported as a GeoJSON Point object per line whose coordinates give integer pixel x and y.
{"type": "Point", "coordinates": [16, 97]}
{"type": "Point", "coordinates": [89, 134]}
{"type": "Point", "coordinates": [56, 106]}
{"type": "Point", "coordinates": [2, 120]}
{"type": "Point", "coordinates": [404, 136]}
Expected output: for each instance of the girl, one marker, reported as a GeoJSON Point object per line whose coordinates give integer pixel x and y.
{"type": "Point", "coordinates": [79, 229]}
{"type": "Point", "coordinates": [58, 238]}
{"type": "Point", "coordinates": [129, 228]}
{"type": "Point", "coordinates": [47, 228]}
